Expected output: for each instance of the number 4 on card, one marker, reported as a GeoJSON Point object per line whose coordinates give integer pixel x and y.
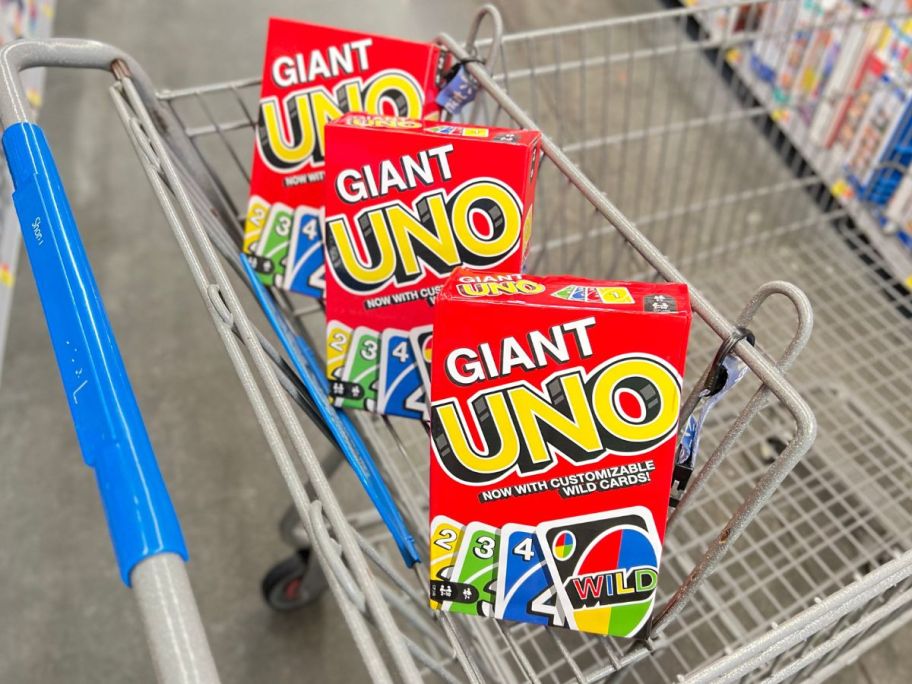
{"type": "Point", "coordinates": [401, 391]}
{"type": "Point", "coordinates": [525, 592]}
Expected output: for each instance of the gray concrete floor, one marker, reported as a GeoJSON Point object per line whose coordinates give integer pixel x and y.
{"type": "Point", "coordinates": [65, 615]}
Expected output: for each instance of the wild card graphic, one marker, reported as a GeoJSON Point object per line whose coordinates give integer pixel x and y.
{"type": "Point", "coordinates": [406, 203]}
{"type": "Point", "coordinates": [604, 568]}
{"type": "Point", "coordinates": [585, 293]}
{"type": "Point", "coordinates": [312, 75]}
{"type": "Point", "coordinates": [553, 422]}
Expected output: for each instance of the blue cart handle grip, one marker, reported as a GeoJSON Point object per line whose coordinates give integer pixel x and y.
{"type": "Point", "coordinates": [109, 425]}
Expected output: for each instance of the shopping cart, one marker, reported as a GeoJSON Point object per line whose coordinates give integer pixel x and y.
{"type": "Point", "coordinates": [764, 573]}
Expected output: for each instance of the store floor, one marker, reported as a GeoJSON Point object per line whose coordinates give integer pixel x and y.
{"type": "Point", "coordinates": [64, 616]}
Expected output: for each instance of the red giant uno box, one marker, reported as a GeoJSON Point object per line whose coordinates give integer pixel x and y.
{"type": "Point", "coordinates": [312, 75]}
{"type": "Point", "coordinates": [408, 201]}
{"type": "Point", "coordinates": [553, 419]}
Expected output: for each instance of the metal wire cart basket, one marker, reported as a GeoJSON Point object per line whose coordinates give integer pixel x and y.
{"type": "Point", "coordinates": [786, 557]}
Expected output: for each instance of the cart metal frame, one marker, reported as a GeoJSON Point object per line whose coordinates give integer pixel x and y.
{"type": "Point", "coordinates": [197, 169]}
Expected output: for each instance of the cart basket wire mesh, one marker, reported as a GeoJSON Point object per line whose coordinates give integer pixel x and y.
{"type": "Point", "coordinates": [786, 558]}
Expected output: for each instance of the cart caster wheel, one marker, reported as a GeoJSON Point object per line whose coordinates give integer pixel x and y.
{"type": "Point", "coordinates": [293, 582]}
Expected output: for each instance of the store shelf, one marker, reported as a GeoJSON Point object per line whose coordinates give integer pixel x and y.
{"type": "Point", "coordinates": [827, 168]}
{"type": "Point", "coordinates": [20, 20]}
{"type": "Point", "coordinates": [822, 163]}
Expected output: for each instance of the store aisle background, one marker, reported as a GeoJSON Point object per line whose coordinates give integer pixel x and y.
{"type": "Point", "coordinates": [64, 616]}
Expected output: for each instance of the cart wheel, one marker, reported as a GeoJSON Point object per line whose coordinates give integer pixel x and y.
{"type": "Point", "coordinates": [294, 582]}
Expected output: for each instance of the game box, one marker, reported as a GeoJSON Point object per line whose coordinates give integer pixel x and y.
{"type": "Point", "coordinates": [312, 75]}
{"type": "Point", "coordinates": [554, 414]}
{"type": "Point", "coordinates": [408, 201]}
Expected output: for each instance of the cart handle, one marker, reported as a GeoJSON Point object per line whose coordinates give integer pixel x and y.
{"type": "Point", "coordinates": [108, 422]}
{"type": "Point", "coordinates": [59, 52]}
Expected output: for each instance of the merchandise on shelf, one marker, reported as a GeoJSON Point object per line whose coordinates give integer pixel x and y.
{"type": "Point", "coordinates": [881, 66]}
{"type": "Point", "coordinates": [898, 214]}
{"type": "Point", "coordinates": [852, 92]}
{"type": "Point", "coordinates": [312, 75]}
{"type": "Point", "coordinates": [726, 21]}
{"type": "Point", "coordinates": [775, 33]}
{"type": "Point", "coordinates": [875, 126]}
{"type": "Point", "coordinates": [866, 85]}
{"type": "Point", "coordinates": [553, 421]}
{"type": "Point", "coordinates": [805, 43]}
{"type": "Point", "coordinates": [895, 47]}
{"type": "Point", "coordinates": [855, 41]}
{"type": "Point", "coordinates": [408, 201]}
{"type": "Point", "coordinates": [880, 150]}
{"type": "Point", "coordinates": [798, 49]}
{"type": "Point", "coordinates": [794, 73]}
{"type": "Point", "coordinates": [827, 34]}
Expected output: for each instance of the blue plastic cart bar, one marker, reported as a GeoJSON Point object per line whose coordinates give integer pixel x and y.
{"type": "Point", "coordinates": [144, 528]}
